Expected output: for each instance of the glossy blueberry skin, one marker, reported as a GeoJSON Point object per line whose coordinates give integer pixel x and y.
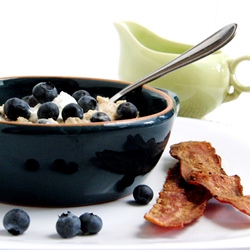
{"type": "Point", "coordinates": [90, 223]}
{"type": "Point", "coordinates": [44, 92]}
{"type": "Point", "coordinates": [48, 110]}
{"type": "Point", "coordinates": [143, 194]}
{"type": "Point", "coordinates": [87, 103]}
{"type": "Point", "coordinates": [15, 107]}
{"type": "Point", "coordinates": [68, 225]}
{"type": "Point", "coordinates": [72, 110]}
{"type": "Point", "coordinates": [16, 221]}
{"type": "Point", "coordinates": [31, 100]}
{"type": "Point", "coordinates": [126, 110]}
{"type": "Point", "coordinates": [99, 117]}
{"type": "Point", "coordinates": [80, 93]}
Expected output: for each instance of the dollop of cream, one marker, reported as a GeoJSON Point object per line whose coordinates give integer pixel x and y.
{"type": "Point", "coordinates": [62, 100]}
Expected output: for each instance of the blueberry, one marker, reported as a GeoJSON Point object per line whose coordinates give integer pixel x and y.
{"type": "Point", "coordinates": [15, 107]}
{"type": "Point", "coordinates": [126, 110]}
{"type": "Point", "coordinates": [72, 110]}
{"type": "Point", "coordinates": [16, 221]}
{"type": "Point", "coordinates": [90, 223]}
{"type": "Point", "coordinates": [44, 92]}
{"type": "Point", "coordinates": [68, 225]}
{"type": "Point", "coordinates": [48, 110]}
{"type": "Point", "coordinates": [87, 103]}
{"type": "Point", "coordinates": [143, 194]}
{"type": "Point", "coordinates": [99, 117]}
{"type": "Point", "coordinates": [31, 100]}
{"type": "Point", "coordinates": [80, 93]}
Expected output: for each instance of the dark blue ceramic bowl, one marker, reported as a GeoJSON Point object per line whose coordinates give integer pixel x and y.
{"type": "Point", "coordinates": [70, 165]}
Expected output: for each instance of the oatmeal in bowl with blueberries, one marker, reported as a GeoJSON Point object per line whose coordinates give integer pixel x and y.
{"type": "Point", "coordinates": [46, 106]}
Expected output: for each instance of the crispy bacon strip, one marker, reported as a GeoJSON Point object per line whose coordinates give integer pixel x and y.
{"type": "Point", "coordinates": [179, 203]}
{"type": "Point", "coordinates": [200, 165]}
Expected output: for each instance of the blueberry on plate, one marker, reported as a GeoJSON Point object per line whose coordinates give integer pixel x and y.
{"type": "Point", "coordinates": [143, 194]}
{"type": "Point", "coordinates": [72, 110]}
{"type": "Point", "coordinates": [48, 110]}
{"type": "Point", "coordinates": [15, 107]}
{"type": "Point", "coordinates": [16, 221]}
{"type": "Point", "coordinates": [44, 92]}
{"type": "Point", "coordinates": [126, 110]}
{"type": "Point", "coordinates": [68, 225]}
{"type": "Point", "coordinates": [80, 93]}
{"type": "Point", "coordinates": [87, 103]}
{"type": "Point", "coordinates": [99, 117]}
{"type": "Point", "coordinates": [90, 223]}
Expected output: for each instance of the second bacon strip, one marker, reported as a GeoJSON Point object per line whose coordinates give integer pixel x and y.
{"type": "Point", "coordinates": [179, 203]}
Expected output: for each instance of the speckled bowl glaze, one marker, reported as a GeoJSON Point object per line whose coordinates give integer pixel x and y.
{"type": "Point", "coordinates": [71, 165]}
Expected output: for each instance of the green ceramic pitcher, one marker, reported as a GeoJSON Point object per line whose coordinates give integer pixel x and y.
{"type": "Point", "coordinates": [201, 86]}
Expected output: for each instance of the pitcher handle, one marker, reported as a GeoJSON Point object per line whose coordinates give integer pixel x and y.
{"type": "Point", "coordinates": [238, 88]}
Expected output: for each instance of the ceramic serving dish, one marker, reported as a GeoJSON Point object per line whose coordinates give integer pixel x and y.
{"type": "Point", "coordinates": [69, 164]}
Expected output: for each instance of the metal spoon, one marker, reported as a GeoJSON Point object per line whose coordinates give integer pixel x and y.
{"type": "Point", "coordinates": [205, 48]}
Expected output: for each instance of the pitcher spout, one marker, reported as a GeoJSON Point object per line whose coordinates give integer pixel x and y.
{"type": "Point", "coordinates": [134, 34]}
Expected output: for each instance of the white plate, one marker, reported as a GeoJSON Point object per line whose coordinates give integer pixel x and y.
{"type": "Point", "coordinates": [221, 227]}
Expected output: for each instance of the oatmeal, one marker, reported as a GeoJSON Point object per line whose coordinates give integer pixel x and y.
{"type": "Point", "coordinates": [46, 106]}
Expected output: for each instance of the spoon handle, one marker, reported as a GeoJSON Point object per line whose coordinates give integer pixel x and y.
{"type": "Point", "coordinates": [206, 47]}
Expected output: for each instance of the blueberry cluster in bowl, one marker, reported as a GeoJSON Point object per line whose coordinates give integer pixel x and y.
{"type": "Point", "coordinates": [46, 106]}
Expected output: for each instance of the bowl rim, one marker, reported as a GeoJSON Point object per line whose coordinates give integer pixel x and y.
{"type": "Point", "coordinates": [167, 97]}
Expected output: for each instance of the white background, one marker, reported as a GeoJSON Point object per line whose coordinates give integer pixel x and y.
{"type": "Point", "coordinates": [77, 37]}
